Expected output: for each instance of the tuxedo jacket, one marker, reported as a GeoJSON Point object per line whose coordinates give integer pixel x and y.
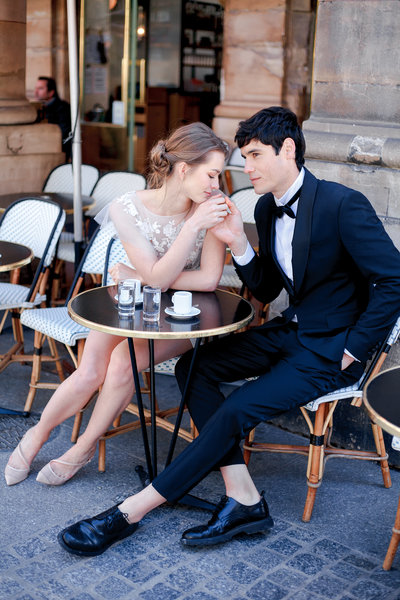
{"type": "Point", "coordinates": [346, 270]}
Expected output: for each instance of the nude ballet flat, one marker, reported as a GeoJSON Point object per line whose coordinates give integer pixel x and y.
{"type": "Point", "coordinates": [49, 477]}
{"type": "Point", "coordinates": [14, 475]}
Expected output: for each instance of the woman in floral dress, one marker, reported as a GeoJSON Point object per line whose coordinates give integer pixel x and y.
{"type": "Point", "coordinates": [167, 233]}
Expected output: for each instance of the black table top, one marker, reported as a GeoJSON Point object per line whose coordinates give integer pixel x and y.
{"type": "Point", "coordinates": [63, 199]}
{"type": "Point", "coordinates": [13, 256]}
{"type": "Point", "coordinates": [221, 312]}
{"type": "Point", "coordinates": [382, 400]}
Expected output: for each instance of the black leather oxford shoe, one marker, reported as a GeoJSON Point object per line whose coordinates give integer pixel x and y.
{"type": "Point", "coordinates": [230, 518]}
{"type": "Point", "coordinates": [93, 536]}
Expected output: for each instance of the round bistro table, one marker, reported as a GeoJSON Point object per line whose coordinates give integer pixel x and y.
{"type": "Point", "coordinates": [382, 401]}
{"type": "Point", "coordinates": [221, 312]}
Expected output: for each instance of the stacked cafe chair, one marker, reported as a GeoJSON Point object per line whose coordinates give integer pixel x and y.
{"type": "Point", "coordinates": [109, 186]}
{"type": "Point", "coordinates": [55, 325]}
{"type": "Point", "coordinates": [61, 179]}
{"type": "Point", "coordinates": [115, 255]}
{"type": "Point", "coordinates": [319, 448]}
{"type": "Point", "coordinates": [35, 223]}
{"type": "Point", "coordinates": [233, 176]}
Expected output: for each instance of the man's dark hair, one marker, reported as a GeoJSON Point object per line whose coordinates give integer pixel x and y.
{"type": "Point", "coordinates": [51, 84]}
{"type": "Point", "coordinates": [271, 126]}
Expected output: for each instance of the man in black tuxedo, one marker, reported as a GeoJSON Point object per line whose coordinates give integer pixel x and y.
{"type": "Point", "coordinates": [325, 245]}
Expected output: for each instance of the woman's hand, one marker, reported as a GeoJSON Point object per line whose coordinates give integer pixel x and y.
{"type": "Point", "coordinates": [209, 213]}
{"type": "Point", "coordinates": [119, 272]}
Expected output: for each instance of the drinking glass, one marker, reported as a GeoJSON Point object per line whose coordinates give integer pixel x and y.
{"type": "Point", "coordinates": [151, 303]}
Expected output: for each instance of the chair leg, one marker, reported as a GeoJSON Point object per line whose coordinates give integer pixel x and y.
{"type": "Point", "coordinates": [36, 369]}
{"type": "Point", "coordinates": [248, 442]}
{"type": "Point", "coordinates": [381, 451]}
{"type": "Point", "coordinates": [315, 460]}
{"type": "Point", "coordinates": [394, 542]}
{"type": "Point", "coordinates": [102, 455]}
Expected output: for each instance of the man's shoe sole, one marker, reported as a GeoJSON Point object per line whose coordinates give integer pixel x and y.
{"type": "Point", "coordinates": [248, 528]}
{"type": "Point", "coordinates": [62, 543]}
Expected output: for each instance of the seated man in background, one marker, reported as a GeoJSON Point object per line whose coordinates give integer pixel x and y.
{"type": "Point", "coordinates": [54, 110]}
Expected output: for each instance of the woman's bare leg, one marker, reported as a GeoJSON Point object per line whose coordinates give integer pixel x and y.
{"type": "Point", "coordinates": [116, 393]}
{"type": "Point", "coordinates": [239, 485]}
{"type": "Point", "coordinates": [72, 394]}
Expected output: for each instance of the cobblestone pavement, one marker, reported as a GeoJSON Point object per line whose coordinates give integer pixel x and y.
{"type": "Point", "coordinates": [338, 555]}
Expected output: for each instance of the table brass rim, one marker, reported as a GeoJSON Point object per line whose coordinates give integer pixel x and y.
{"type": "Point", "coordinates": [19, 263]}
{"type": "Point", "coordinates": [159, 335]}
{"type": "Point", "coordinates": [376, 417]}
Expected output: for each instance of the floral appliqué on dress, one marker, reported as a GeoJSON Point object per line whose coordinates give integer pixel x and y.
{"type": "Point", "coordinates": [161, 231]}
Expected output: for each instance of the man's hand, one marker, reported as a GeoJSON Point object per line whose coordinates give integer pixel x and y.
{"type": "Point", "coordinates": [230, 230]}
{"type": "Point", "coordinates": [346, 361]}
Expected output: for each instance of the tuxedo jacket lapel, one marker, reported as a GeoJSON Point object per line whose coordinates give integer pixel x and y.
{"type": "Point", "coordinates": [302, 231]}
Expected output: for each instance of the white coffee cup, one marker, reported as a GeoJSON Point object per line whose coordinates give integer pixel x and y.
{"type": "Point", "coordinates": [182, 302]}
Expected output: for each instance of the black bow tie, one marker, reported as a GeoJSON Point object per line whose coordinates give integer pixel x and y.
{"type": "Point", "coordinates": [279, 211]}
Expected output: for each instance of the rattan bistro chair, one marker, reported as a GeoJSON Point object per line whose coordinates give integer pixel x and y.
{"type": "Point", "coordinates": [109, 186]}
{"type": "Point", "coordinates": [35, 223]}
{"type": "Point", "coordinates": [319, 448]}
{"type": "Point", "coordinates": [117, 254]}
{"type": "Point", "coordinates": [61, 179]}
{"type": "Point", "coordinates": [55, 325]}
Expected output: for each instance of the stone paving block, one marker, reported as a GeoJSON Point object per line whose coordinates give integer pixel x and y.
{"type": "Point", "coordinates": [361, 562]}
{"type": "Point", "coordinates": [243, 573]}
{"type": "Point", "coordinates": [83, 596]}
{"type": "Point", "coordinates": [328, 586]}
{"type": "Point", "coordinates": [114, 587]}
{"type": "Point", "coordinates": [388, 578]}
{"type": "Point", "coordinates": [184, 578]}
{"type": "Point", "coordinates": [331, 550]}
{"type": "Point", "coordinates": [307, 563]}
{"type": "Point", "coordinates": [9, 587]}
{"type": "Point", "coordinates": [367, 589]}
{"type": "Point", "coordinates": [301, 535]}
{"type": "Point", "coordinates": [31, 548]}
{"type": "Point", "coordinates": [303, 595]}
{"type": "Point", "coordinates": [288, 578]}
{"type": "Point", "coordinates": [53, 589]}
{"type": "Point", "coordinates": [160, 592]}
{"type": "Point", "coordinates": [200, 596]}
{"type": "Point", "coordinates": [284, 546]}
{"type": "Point", "coordinates": [346, 571]}
{"type": "Point", "coordinates": [139, 571]}
{"type": "Point", "coordinates": [222, 587]}
{"type": "Point", "coordinates": [25, 597]}
{"type": "Point", "coordinates": [265, 559]}
{"type": "Point", "coordinates": [7, 560]}
{"type": "Point", "coordinates": [265, 590]}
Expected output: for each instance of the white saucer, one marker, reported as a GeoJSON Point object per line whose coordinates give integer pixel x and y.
{"type": "Point", "coordinates": [138, 300]}
{"type": "Point", "coordinates": [193, 313]}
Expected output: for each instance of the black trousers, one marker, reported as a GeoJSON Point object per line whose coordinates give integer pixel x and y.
{"type": "Point", "coordinates": [288, 375]}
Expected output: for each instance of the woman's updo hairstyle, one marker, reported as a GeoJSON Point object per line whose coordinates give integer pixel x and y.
{"type": "Point", "coordinates": [190, 144]}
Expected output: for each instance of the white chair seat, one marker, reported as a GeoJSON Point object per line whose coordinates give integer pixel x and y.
{"type": "Point", "coordinates": [351, 391]}
{"type": "Point", "coordinates": [230, 278]}
{"type": "Point", "coordinates": [66, 236]}
{"type": "Point", "coordinates": [66, 251]}
{"type": "Point", "coordinates": [13, 295]}
{"type": "Point", "coordinates": [55, 323]}
{"type": "Point", "coordinates": [167, 367]}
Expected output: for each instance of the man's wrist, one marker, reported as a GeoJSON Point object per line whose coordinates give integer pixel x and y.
{"type": "Point", "coordinates": [239, 246]}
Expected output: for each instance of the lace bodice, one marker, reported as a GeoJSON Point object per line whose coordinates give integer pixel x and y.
{"type": "Point", "coordinates": [134, 223]}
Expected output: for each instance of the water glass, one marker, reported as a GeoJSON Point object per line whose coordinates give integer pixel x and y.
{"type": "Point", "coordinates": [151, 303]}
{"type": "Point", "coordinates": [126, 301]}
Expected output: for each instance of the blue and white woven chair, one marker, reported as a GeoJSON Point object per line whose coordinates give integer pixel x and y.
{"type": "Point", "coordinates": [109, 186]}
{"type": "Point", "coordinates": [117, 254]}
{"type": "Point", "coordinates": [319, 448]}
{"type": "Point", "coordinates": [35, 223]}
{"type": "Point", "coordinates": [61, 179]}
{"type": "Point", "coordinates": [55, 325]}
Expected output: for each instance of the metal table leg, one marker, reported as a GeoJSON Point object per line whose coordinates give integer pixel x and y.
{"type": "Point", "coordinates": [15, 413]}
{"type": "Point", "coordinates": [140, 408]}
